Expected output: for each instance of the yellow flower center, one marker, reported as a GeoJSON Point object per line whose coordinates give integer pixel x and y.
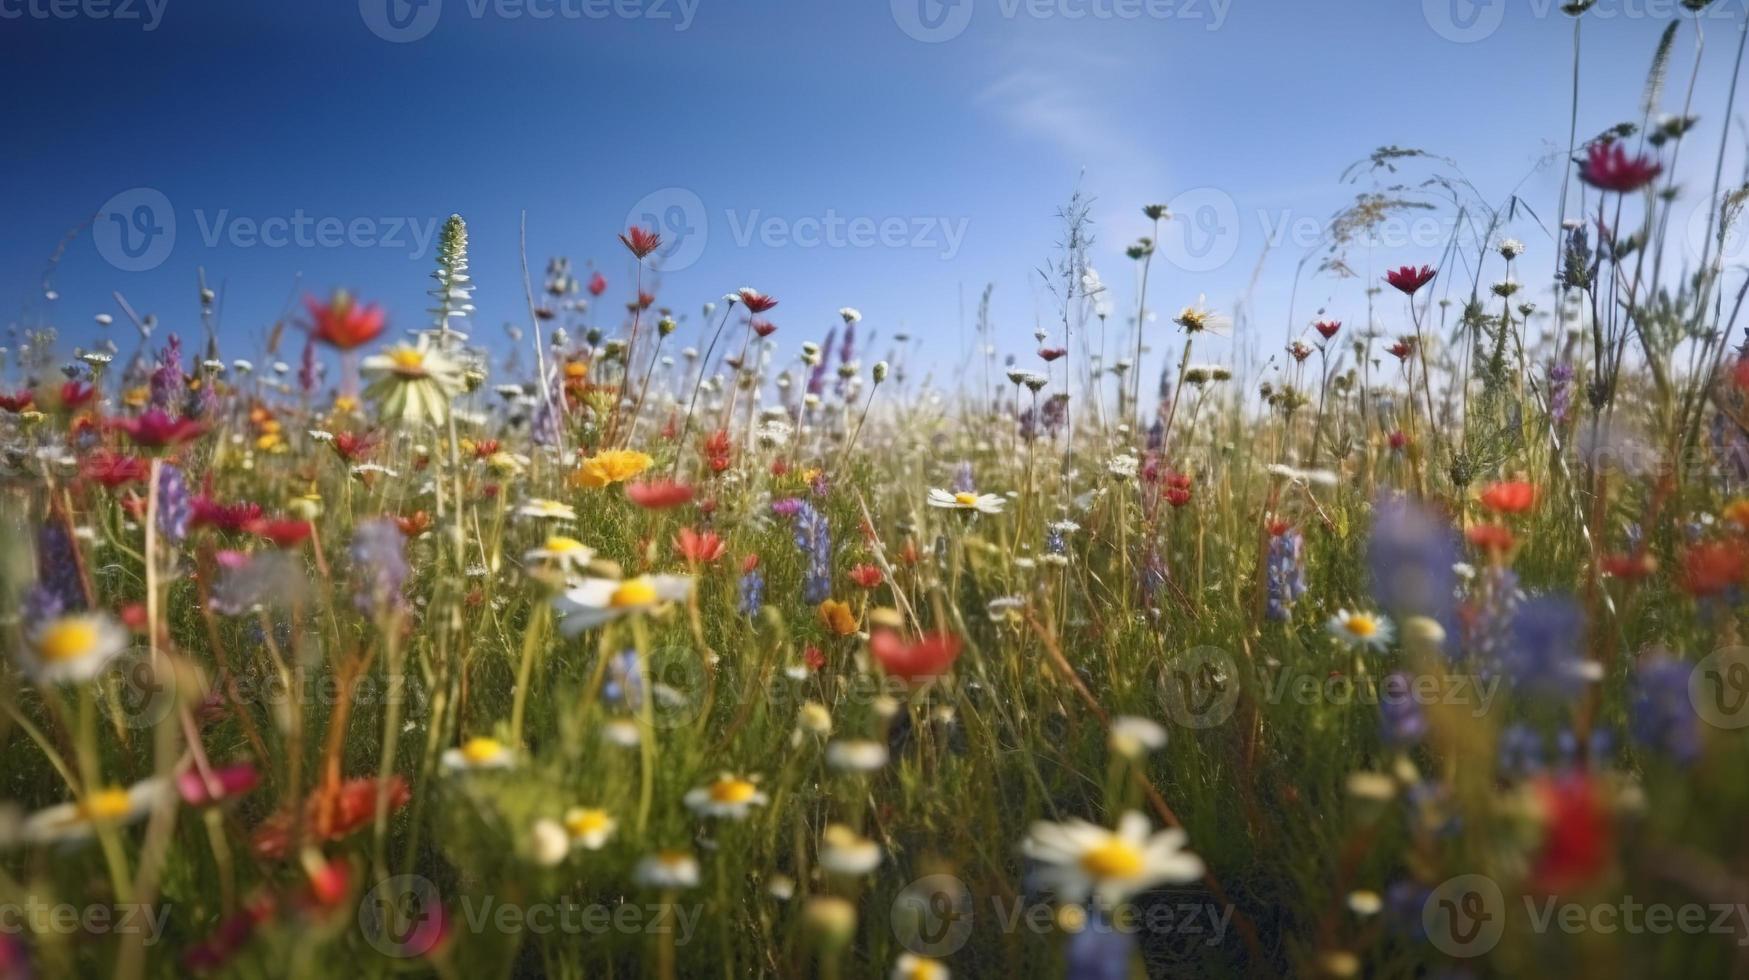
{"type": "Point", "coordinates": [112, 803]}
{"type": "Point", "coordinates": [480, 750]}
{"type": "Point", "coordinates": [633, 593]}
{"type": "Point", "coordinates": [922, 969]}
{"type": "Point", "coordinates": [585, 822]}
{"type": "Point", "coordinates": [562, 545]}
{"type": "Point", "coordinates": [966, 499]}
{"type": "Point", "coordinates": [1114, 858]}
{"type": "Point", "coordinates": [1361, 626]}
{"type": "Point", "coordinates": [731, 790]}
{"type": "Point", "coordinates": [68, 639]}
{"type": "Point", "coordinates": [408, 360]}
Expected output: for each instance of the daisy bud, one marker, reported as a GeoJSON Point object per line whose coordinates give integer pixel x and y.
{"type": "Point", "coordinates": [830, 919]}
{"type": "Point", "coordinates": [550, 843]}
{"type": "Point", "coordinates": [880, 371]}
{"type": "Point", "coordinates": [666, 326]}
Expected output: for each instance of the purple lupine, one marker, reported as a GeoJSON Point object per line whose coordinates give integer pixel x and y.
{"type": "Point", "coordinates": [1663, 716]}
{"type": "Point", "coordinates": [817, 380]}
{"type": "Point", "coordinates": [624, 685]}
{"type": "Point", "coordinates": [1285, 571]}
{"type": "Point", "coordinates": [309, 370]}
{"type": "Point", "coordinates": [752, 592]}
{"type": "Point", "coordinates": [175, 507]}
{"type": "Point", "coordinates": [813, 538]}
{"type": "Point", "coordinates": [1543, 653]}
{"type": "Point", "coordinates": [380, 560]}
{"type": "Point", "coordinates": [1400, 714]}
{"type": "Point", "coordinates": [1521, 751]}
{"type": "Point", "coordinates": [963, 481]}
{"type": "Point", "coordinates": [57, 567]}
{"type": "Point", "coordinates": [166, 385]}
{"type": "Point", "coordinates": [1486, 628]}
{"type": "Point", "coordinates": [39, 605]}
{"type": "Point", "coordinates": [1560, 392]}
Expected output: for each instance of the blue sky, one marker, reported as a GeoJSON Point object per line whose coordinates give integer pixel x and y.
{"type": "Point", "coordinates": [752, 126]}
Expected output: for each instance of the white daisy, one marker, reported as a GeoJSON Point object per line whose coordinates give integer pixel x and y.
{"type": "Point", "coordinates": [667, 869]}
{"type": "Point", "coordinates": [856, 755]}
{"type": "Point", "coordinates": [622, 732]}
{"type": "Point", "coordinates": [845, 852]}
{"type": "Point", "coordinates": [567, 554]}
{"type": "Point", "coordinates": [540, 508]}
{"type": "Point", "coordinates": [910, 966]}
{"type": "Point", "coordinates": [727, 796]}
{"type": "Point", "coordinates": [1134, 737]}
{"type": "Point", "coordinates": [589, 827]}
{"type": "Point", "coordinates": [1081, 859]}
{"type": "Point", "coordinates": [73, 648]}
{"type": "Point", "coordinates": [594, 601]}
{"type": "Point", "coordinates": [1361, 629]}
{"type": "Point", "coordinates": [78, 820]}
{"type": "Point", "coordinates": [983, 503]}
{"type": "Point", "coordinates": [549, 842]}
{"type": "Point", "coordinates": [479, 753]}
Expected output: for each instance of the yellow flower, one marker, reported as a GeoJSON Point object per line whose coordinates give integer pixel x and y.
{"type": "Point", "coordinates": [136, 397]}
{"type": "Point", "coordinates": [838, 617]}
{"type": "Point", "coordinates": [611, 466]}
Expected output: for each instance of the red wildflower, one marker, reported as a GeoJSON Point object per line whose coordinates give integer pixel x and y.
{"type": "Point", "coordinates": [1510, 497]}
{"type": "Point", "coordinates": [699, 547]}
{"type": "Point", "coordinates": [1409, 279]}
{"type": "Point", "coordinates": [207, 512]}
{"type": "Point", "coordinates": [1608, 167]}
{"type": "Point", "coordinates": [330, 813]}
{"type": "Point", "coordinates": [764, 328]}
{"type": "Point", "coordinates": [353, 447]}
{"type": "Point", "coordinates": [641, 242]}
{"type": "Point", "coordinates": [114, 469]}
{"type": "Point", "coordinates": [929, 657]}
{"type": "Point", "coordinates": [1299, 351]}
{"type": "Point", "coordinates": [283, 532]}
{"type": "Point", "coordinates": [1278, 527]}
{"type": "Point", "coordinates": [1576, 833]}
{"type": "Point", "coordinates": [756, 301]}
{"type": "Point", "coordinates": [659, 494]}
{"type": "Point", "coordinates": [1630, 567]}
{"type": "Point", "coordinates": [1711, 569]}
{"type": "Point", "coordinates": [1398, 440]}
{"type": "Point", "coordinates": [597, 284]}
{"type": "Point", "coordinates": [1327, 328]}
{"type": "Point", "coordinates": [330, 884]}
{"type": "Point", "coordinates": [415, 525]}
{"type": "Point", "coordinates": [1401, 349]}
{"type": "Point", "coordinates": [75, 394]}
{"type": "Point", "coordinates": [815, 659]}
{"type": "Point", "coordinates": [342, 322]}
{"type": "Point", "coordinates": [749, 563]}
{"type": "Point", "coordinates": [1740, 373]}
{"type": "Point", "coordinates": [867, 576]}
{"type": "Point", "coordinates": [226, 782]}
{"type": "Point", "coordinates": [1491, 538]}
{"type": "Point", "coordinates": [486, 448]}
{"type": "Point", "coordinates": [1052, 353]}
{"type": "Point", "coordinates": [18, 402]}
{"type": "Point", "coordinates": [1177, 496]}
{"type": "Point", "coordinates": [155, 429]}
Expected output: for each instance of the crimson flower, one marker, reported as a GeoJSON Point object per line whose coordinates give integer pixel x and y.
{"type": "Point", "coordinates": [1398, 440]}
{"type": "Point", "coordinates": [597, 284]}
{"type": "Point", "coordinates": [1327, 328]}
{"type": "Point", "coordinates": [1052, 353]}
{"type": "Point", "coordinates": [929, 657]}
{"type": "Point", "coordinates": [756, 301]}
{"type": "Point", "coordinates": [352, 447]}
{"type": "Point", "coordinates": [155, 429]}
{"type": "Point", "coordinates": [1409, 279]}
{"type": "Point", "coordinates": [207, 512]}
{"type": "Point", "coordinates": [283, 532]}
{"type": "Point", "coordinates": [75, 394]}
{"type": "Point", "coordinates": [867, 576]}
{"type": "Point", "coordinates": [226, 783]}
{"type": "Point", "coordinates": [1402, 349]}
{"type": "Point", "coordinates": [342, 322]}
{"type": "Point", "coordinates": [1576, 833]}
{"type": "Point", "coordinates": [17, 403]}
{"type": "Point", "coordinates": [330, 813]}
{"type": "Point", "coordinates": [1178, 496]}
{"type": "Point", "coordinates": [114, 469]}
{"type": "Point", "coordinates": [1608, 167]}
{"type": "Point", "coordinates": [659, 494]}
{"type": "Point", "coordinates": [699, 547]}
{"type": "Point", "coordinates": [764, 328]}
{"type": "Point", "coordinates": [1491, 538]}
{"type": "Point", "coordinates": [641, 242]}
{"type": "Point", "coordinates": [1629, 567]}
{"type": "Point", "coordinates": [1711, 569]}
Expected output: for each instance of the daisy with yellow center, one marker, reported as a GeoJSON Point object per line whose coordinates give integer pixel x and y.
{"type": "Point", "coordinates": [108, 806]}
{"type": "Point", "coordinates": [479, 752]}
{"type": "Point", "coordinates": [74, 648]}
{"type": "Point", "coordinates": [910, 966]}
{"type": "Point", "coordinates": [413, 383]}
{"type": "Point", "coordinates": [1198, 318]}
{"type": "Point", "coordinates": [1356, 629]}
{"type": "Point", "coordinates": [594, 601]}
{"type": "Point", "coordinates": [983, 503]}
{"type": "Point", "coordinates": [1079, 859]}
{"type": "Point", "coordinates": [558, 551]}
{"type": "Point", "coordinates": [845, 852]}
{"type": "Point", "coordinates": [610, 467]}
{"type": "Point", "coordinates": [667, 870]}
{"type": "Point", "coordinates": [590, 827]}
{"type": "Point", "coordinates": [540, 508]}
{"type": "Point", "coordinates": [728, 796]}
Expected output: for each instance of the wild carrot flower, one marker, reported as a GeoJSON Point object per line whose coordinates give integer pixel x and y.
{"type": "Point", "coordinates": [728, 796]}
{"type": "Point", "coordinates": [1079, 859]}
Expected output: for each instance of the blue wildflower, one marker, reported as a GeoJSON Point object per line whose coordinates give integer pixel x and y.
{"type": "Point", "coordinates": [752, 592]}
{"type": "Point", "coordinates": [1663, 716]}
{"type": "Point", "coordinates": [1543, 653]}
{"type": "Point", "coordinates": [1410, 554]}
{"type": "Point", "coordinates": [57, 567]}
{"type": "Point", "coordinates": [378, 551]}
{"type": "Point", "coordinates": [1285, 571]}
{"type": "Point", "coordinates": [624, 685]}
{"type": "Point", "coordinates": [1401, 716]}
{"type": "Point", "coordinates": [175, 507]}
{"type": "Point", "coordinates": [1099, 951]}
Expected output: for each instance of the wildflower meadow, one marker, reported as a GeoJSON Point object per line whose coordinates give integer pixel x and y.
{"type": "Point", "coordinates": [682, 633]}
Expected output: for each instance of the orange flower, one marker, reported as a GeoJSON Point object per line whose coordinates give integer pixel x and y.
{"type": "Point", "coordinates": [1736, 513]}
{"type": "Point", "coordinates": [1710, 569]}
{"type": "Point", "coordinates": [611, 466]}
{"type": "Point", "coordinates": [838, 617]}
{"type": "Point", "coordinates": [1491, 538]}
{"type": "Point", "coordinates": [867, 576]}
{"type": "Point", "coordinates": [342, 322]}
{"type": "Point", "coordinates": [1511, 497]}
{"type": "Point", "coordinates": [659, 494]}
{"type": "Point", "coordinates": [931, 656]}
{"type": "Point", "coordinates": [700, 548]}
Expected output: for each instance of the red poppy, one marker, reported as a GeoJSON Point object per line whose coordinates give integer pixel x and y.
{"type": "Point", "coordinates": [283, 532]}
{"type": "Point", "coordinates": [1711, 569]}
{"type": "Point", "coordinates": [1630, 567]}
{"type": "Point", "coordinates": [867, 576]}
{"type": "Point", "coordinates": [717, 450]}
{"type": "Point", "coordinates": [1510, 497]}
{"type": "Point", "coordinates": [1491, 538]}
{"type": "Point", "coordinates": [1177, 496]}
{"type": "Point", "coordinates": [699, 547]}
{"type": "Point", "coordinates": [18, 402]}
{"type": "Point", "coordinates": [1052, 353]}
{"type": "Point", "coordinates": [342, 322]}
{"type": "Point", "coordinates": [1409, 279]}
{"type": "Point", "coordinates": [1608, 167]}
{"type": "Point", "coordinates": [756, 301]}
{"type": "Point", "coordinates": [1576, 833]}
{"type": "Point", "coordinates": [764, 328]}
{"type": "Point", "coordinates": [1327, 328]}
{"type": "Point", "coordinates": [114, 469]}
{"type": "Point", "coordinates": [929, 657]}
{"type": "Point", "coordinates": [749, 563]}
{"type": "Point", "coordinates": [1278, 527]}
{"type": "Point", "coordinates": [597, 284]}
{"type": "Point", "coordinates": [641, 242]}
{"type": "Point", "coordinates": [659, 494]}
{"type": "Point", "coordinates": [330, 813]}
{"type": "Point", "coordinates": [155, 429]}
